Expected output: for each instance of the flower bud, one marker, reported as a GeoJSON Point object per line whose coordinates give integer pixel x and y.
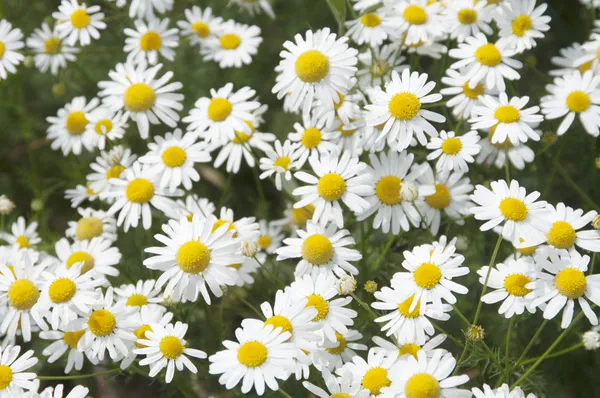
{"type": "Point", "coordinates": [409, 192]}
{"type": "Point", "coordinates": [250, 248]}
{"type": "Point", "coordinates": [58, 89]}
{"type": "Point", "coordinates": [596, 222]}
{"type": "Point", "coordinates": [475, 333]}
{"type": "Point", "coordinates": [6, 205]}
{"type": "Point", "coordinates": [346, 284]}
{"type": "Point", "coordinates": [591, 340]}
{"type": "Point", "coordinates": [28, 61]}
{"type": "Point", "coordinates": [370, 286]}
{"type": "Point", "coordinates": [37, 205]}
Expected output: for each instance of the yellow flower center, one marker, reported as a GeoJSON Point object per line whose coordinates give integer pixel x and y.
{"type": "Point", "coordinates": [174, 156]}
{"type": "Point", "coordinates": [193, 257]}
{"type": "Point", "coordinates": [561, 235]}
{"type": "Point", "coordinates": [139, 97]}
{"type": "Point", "coordinates": [140, 190]}
{"type": "Point", "coordinates": [571, 283]}
{"type": "Point", "coordinates": [467, 16]}
{"type": "Point", "coordinates": [76, 123]}
{"type": "Point", "coordinates": [311, 137]}
{"type": "Point", "coordinates": [387, 190]}
{"type": "Point", "coordinates": [88, 228]}
{"type": "Point", "coordinates": [422, 385]}
{"type": "Point", "coordinates": [507, 144]}
{"type": "Point", "coordinates": [137, 300]}
{"type": "Point", "coordinates": [115, 171]}
{"type": "Point", "coordinates": [370, 20]}
{"type": "Point", "coordinates": [404, 307]}
{"type": "Point", "coordinates": [331, 186]}
{"type": "Point", "coordinates": [451, 146]}
{"type": "Point", "coordinates": [150, 41]}
{"type": "Point", "coordinates": [201, 29]}
{"type": "Point", "coordinates": [440, 199]}
{"type": "Point", "coordinates": [300, 216]}
{"type": "Point", "coordinates": [473, 93]}
{"type": "Point", "coordinates": [140, 333]}
{"type": "Point", "coordinates": [404, 106]}
{"type": "Point", "coordinates": [102, 322]}
{"type": "Point", "coordinates": [230, 41]}
{"type": "Point", "coordinates": [585, 66]}
{"type": "Point", "coordinates": [488, 55]}
{"type": "Point", "coordinates": [514, 284]}
{"type": "Point", "coordinates": [322, 306]}
{"type": "Point", "coordinates": [22, 241]}
{"type": "Point", "coordinates": [342, 342]}
{"type": "Point", "coordinates": [80, 19]}
{"type": "Point", "coordinates": [81, 256]}
{"type": "Point", "coordinates": [340, 395]}
{"type": "Point", "coordinates": [578, 101]}
{"type": "Point", "coordinates": [6, 376]}
{"type": "Point", "coordinates": [220, 222]}
{"type": "Point", "coordinates": [427, 275]}
{"type": "Point", "coordinates": [72, 338]}
{"type": "Point", "coordinates": [23, 294]}
{"type": "Point", "coordinates": [219, 109]}
{"type": "Point", "coordinates": [513, 209]}
{"type": "Point", "coordinates": [52, 45]}
{"type": "Point", "coordinates": [409, 348]}
{"type": "Point", "coordinates": [252, 354]}
{"type": "Point", "coordinates": [521, 24]}
{"type": "Point", "coordinates": [283, 162]}
{"type": "Point", "coordinates": [62, 290]}
{"type": "Point", "coordinates": [2, 49]}
{"type": "Point", "coordinates": [278, 321]}
{"type": "Point", "coordinates": [526, 251]}
{"type": "Point", "coordinates": [241, 137]}
{"type": "Point", "coordinates": [317, 249]}
{"type": "Point", "coordinates": [375, 379]}
{"type": "Point", "coordinates": [171, 347]}
{"type": "Point", "coordinates": [507, 114]}
{"type": "Point", "coordinates": [264, 241]}
{"type": "Point", "coordinates": [336, 105]}
{"type": "Point", "coordinates": [415, 15]}
{"type": "Point", "coordinates": [103, 126]}
{"type": "Point", "coordinates": [312, 66]}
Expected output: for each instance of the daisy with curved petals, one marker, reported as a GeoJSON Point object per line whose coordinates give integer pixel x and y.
{"type": "Point", "coordinates": [142, 294]}
{"type": "Point", "coordinates": [454, 152]}
{"type": "Point", "coordinates": [564, 225]}
{"type": "Point", "coordinates": [466, 18]}
{"type": "Point", "coordinates": [145, 99]}
{"type": "Point", "coordinates": [165, 347]}
{"type": "Point", "coordinates": [312, 136]}
{"type": "Point", "coordinates": [96, 254]}
{"type": "Point", "coordinates": [12, 367]}
{"type": "Point", "coordinates": [419, 21]}
{"type": "Point", "coordinates": [193, 204]}
{"type": "Point", "coordinates": [503, 391]}
{"type": "Point", "coordinates": [233, 45]}
{"type": "Point", "coordinates": [340, 387]}
{"type": "Point", "coordinates": [240, 147]}
{"type": "Point", "coordinates": [399, 350]}
{"type": "Point", "coordinates": [374, 374]}
{"type": "Point", "coordinates": [400, 109]}
{"type": "Point", "coordinates": [570, 59]}
{"type": "Point", "coordinates": [496, 154]}
{"type": "Point", "coordinates": [79, 194]}
{"type": "Point", "coordinates": [271, 235]}
{"type": "Point", "coordinates": [78, 23]}
{"type": "Point", "coordinates": [92, 224]}
{"type": "Point", "coordinates": [22, 235]}
{"type": "Point", "coordinates": [465, 98]}
{"type": "Point", "coordinates": [279, 161]}
{"type": "Point", "coordinates": [261, 355]}
{"type": "Point", "coordinates": [104, 125]}
{"type": "Point", "coordinates": [149, 40]}
{"type": "Point", "coordinates": [57, 392]}
{"type": "Point", "coordinates": [10, 43]}
{"type": "Point", "coordinates": [67, 127]}
{"type": "Point", "coordinates": [334, 354]}
{"type": "Point", "coordinates": [63, 341]}
{"type": "Point", "coordinates": [371, 28]}
{"type": "Point", "coordinates": [521, 23]}
{"type": "Point", "coordinates": [244, 228]}
{"type": "Point", "coordinates": [110, 164]}
{"type": "Point", "coordinates": [50, 52]}
{"type": "Point", "coordinates": [489, 63]}
{"type": "Point", "coordinates": [322, 250]}
{"type": "Point", "coordinates": [193, 257]}
{"type": "Point", "coordinates": [245, 269]}
{"type": "Point", "coordinates": [199, 25]}
{"type": "Point", "coordinates": [376, 65]}
{"type": "Point", "coordinates": [319, 66]}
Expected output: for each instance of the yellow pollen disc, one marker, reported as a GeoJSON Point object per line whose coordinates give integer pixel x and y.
{"type": "Point", "coordinates": [201, 29]}
{"type": "Point", "coordinates": [415, 15]}
{"type": "Point", "coordinates": [300, 216]}
{"type": "Point", "coordinates": [103, 126]}
{"type": "Point", "coordinates": [219, 109]}
{"type": "Point", "coordinates": [370, 20]}
{"type": "Point", "coordinates": [375, 379]}
{"type": "Point", "coordinates": [507, 114]}
{"type": "Point", "coordinates": [230, 41]}
{"type": "Point", "coordinates": [72, 338]}
{"type": "Point", "coordinates": [410, 348]}
{"type": "Point", "coordinates": [88, 228]}
{"type": "Point", "coordinates": [342, 342]}
{"type": "Point", "coordinates": [571, 283]}
{"type": "Point", "coordinates": [467, 16]}
{"type": "Point", "coordinates": [422, 385]}
{"type": "Point", "coordinates": [473, 93]}
{"type": "Point", "coordinates": [52, 45]}
{"type": "Point", "coordinates": [311, 137]}
{"type": "Point", "coordinates": [331, 186]}
{"type": "Point", "coordinates": [283, 162]}
{"type": "Point", "coordinates": [80, 19]}
{"type": "Point", "coordinates": [451, 146]}
{"type": "Point", "coordinates": [340, 395]}
{"type": "Point", "coordinates": [252, 354]}
{"type": "Point", "coordinates": [81, 256]}
{"type": "Point", "coordinates": [336, 105]}
{"type": "Point", "coordinates": [140, 333]}
{"type": "Point", "coordinates": [193, 257]}
{"type": "Point", "coordinates": [89, 191]}
{"type": "Point", "coordinates": [322, 306]}
{"type": "Point", "coordinates": [102, 322]}
{"type": "Point", "coordinates": [561, 235]}
{"type": "Point", "coordinates": [139, 190]}
{"type": "Point", "coordinates": [312, 66]}
{"type": "Point", "coordinates": [76, 123]}
{"type": "Point", "coordinates": [404, 308]}
{"type": "Point", "coordinates": [139, 97]}
{"type": "Point", "coordinates": [137, 300]}
{"type": "Point", "coordinates": [507, 144]}
{"type": "Point", "coordinates": [62, 290]}
{"type": "Point", "coordinates": [240, 137]}
{"type": "Point", "coordinates": [174, 156]}
{"type": "Point", "coordinates": [404, 106]}
{"type": "Point", "coordinates": [513, 209]}
{"type": "Point", "coordinates": [115, 171]}
{"type": "Point", "coordinates": [514, 284]}
{"type": "Point", "coordinates": [427, 275]}
{"type": "Point", "coordinates": [171, 347]}
{"type": "Point", "coordinates": [578, 101]}
{"type": "Point", "coordinates": [526, 251]}
{"type": "Point", "coordinates": [278, 321]}
{"type": "Point", "coordinates": [264, 241]}
{"type": "Point", "coordinates": [521, 24]}
{"type": "Point", "coordinates": [220, 222]}
{"type": "Point", "coordinates": [585, 66]}
{"type": "Point", "coordinates": [6, 376]}
{"type": "Point", "coordinates": [23, 294]}
{"type": "Point", "coordinates": [317, 249]}
{"type": "Point", "coordinates": [150, 41]}
{"type": "Point", "coordinates": [387, 190]}
{"type": "Point", "coordinates": [440, 199]}
{"type": "Point", "coordinates": [235, 266]}
{"type": "Point", "coordinates": [23, 241]}
{"type": "Point", "coordinates": [345, 133]}
{"type": "Point", "coordinates": [488, 55]}
{"type": "Point", "coordinates": [2, 49]}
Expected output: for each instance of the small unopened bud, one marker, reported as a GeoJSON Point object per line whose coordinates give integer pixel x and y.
{"type": "Point", "coordinates": [531, 61]}
{"type": "Point", "coordinates": [346, 284]}
{"type": "Point", "coordinates": [6, 205]}
{"type": "Point", "coordinates": [250, 248]}
{"type": "Point", "coordinates": [37, 205]}
{"type": "Point", "coordinates": [408, 192]}
{"type": "Point", "coordinates": [113, 157]}
{"type": "Point", "coordinates": [28, 61]}
{"type": "Point", "coordinates": [549, 138]}
{"type": "Point", "coordinates": [596, 222]}
{"type": "Point", "coordinates": [370, 286]}
{"type": "Point", "coordinates": [58, 89]}
{"type": "Point", "coordinates": [475, 333]}
{"type": "Point", "coordinates": [591, 340]}
{"type": "Point", "coordinates": [462, 243]}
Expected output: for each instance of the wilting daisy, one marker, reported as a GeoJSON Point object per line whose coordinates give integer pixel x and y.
{"type": "Point", "coordinates": [96, 254]}
{"type": "Point", "coordinates": [419, 21]}
{"type": "Point", "coordinates": [67, 127]}
{"type": "Point", "coordinates": [57, 392]}
{"type": "Point", "coordinates": [376, 65]}
{"type": "Point", "coordinates": [142, 294]}
{"type": "Point", "coordinates": [22, 235]}
{"type": "Point", "coordinates": [509, 280]}
{"type": "Point", "coordinates": [193, 204]}
{"type": "Point", "coordinates": [334, 354]}
{"type": "Point", "coordinates": [77, 23]}
{"type": "Point", "coordinates": [489, 63]}
{"type": "Point", "coordinates": [199, 25]}
{"type": "Point", "coordinates": [144, 98]}
{"type": "Point", "coordinates": [279, 161]}
{"type": "Point", "coordinates": [149, 40]}
{"type": "Point", "coordinates": [496, 154]}
{"type": "Point", "coordinates": [398, 350]}
{"type": "Point", "coordinates": [466, 18]}
{"type": "Point", "coordinates": [452, 152]}
{"type": "Point", "coordinates": [64, 341]}
{"type": "Point", "coordinates": [260, 356]}
{"type": "Point", "coordinates": [521, 23]}
{"type": "Point", "coordinates": [311, 137]}
{"type": "Point", "coordinates": [344, 386]}
{"type": "Point", "coordinates": [564, 223]}
{"type": "Point", "coordinates": [574, 95]}
{"type": "Point", "coordinates": [254, 7]}
{"type": "Point", "coordinates": [241, 147]}
{"type": "Point", "coordinates": [400, 108]}
{"type": "Point", "coordinates": [104, 125]}
{"type": "Point", "coordinates": [165, 347]}
{"type": "Point", "coordinates": [10, 43]}
{"type": "Point", "coordinates": [50, 52]}
{"type": "Point", "coordinates": [13, 378]}
{"type": "Point", "coordinates": [79, 194]}
{"type": "Point", "coordinates": [92, 224]}
{"type": "Point", "coordinates": [319, 66]}
{"type": "Point", "coordinates": [374, 374]}
{"type": "Point", "coordinates": [562, 281]}
{"type": "Point", "coordinates": [234, 45]}
{"type": "Point", "coordinates": [465, 98]}
{"type": "Point", "coordinates": [194, 257]}
{"type": "Point", "coordinates": [371, 28]}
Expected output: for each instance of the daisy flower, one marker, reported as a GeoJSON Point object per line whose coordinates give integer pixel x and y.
{"type": "Point", "coordinates": [104, 125]}
{"type": "Point", "coordinates": [466, 18]}
{"type": "Point", "coordinates": [562, 280]}
{"type": "Point", "coordinates": [521, 23]}
{"type": "Point", "coordinates": [10, 43]}
{"type": "Point", "coordinates": [496, 154]}
{"type": "Point", "coordinates": [254, 7]}
{"type": "Point", "coordinates": [110, 164]}
{"type": "Point", "coordinates": [345, 111]}
{"type": "Point", "coordinates": [452, 152]}
{"type": "Point", "coordinates": [564, 223]}
{"type": "Point", "coordinates": [92, 224]}
{"type": "Point", "coordinates": [234, 45]}
{"type": "Point", "coordinates": [338, 178]}
{"type": "Point", "coordinates": [79, 194]}
{"type": "Point", "coordinates": [400, 109]}
{"type": "Point", "coordinates": [371, 28]}
{"type": "Point", "coordinates": [432, 48]}
{"type": "Point", "coordinates": [195, 255]}
{"type": "Point", "coordinates": [344, 386]}
{"type": "Point", "coordinates": [319, 66]}
{"type": "Point", "coordinates": [502, 391]}
{"type": "Point", "coordinates": [146, 9]}
{"type": "Point", "coordinates": [374, 374]}
{"type": "Point", "coordinates": [260, 356]}
{"type": "Point", "coordinates": [419, 20]}
{"type": "Point", "coordinates": [50, 52]}
{"type": "Point", "coordinates": [78, 23]}
{"type": "Point", "coordinates": [398, 350]}
{"type": "Point", "coordinates": [165, 347]}
{"type": "Point", "coordinates": [246, 268]}
{"type": "Point", "coordinates": [508, 118]}
{"type": "Point", "coordinates": [67, 127]}
{"type": "Point", "coordinates": [519, 213]}
{"type": "Point", "coordinates": [570, 59]}
{"type": "Point", "coordinates": [193, 204]}
{"type": "Point", "coordinates": [134, 192]}
{"type": "Point", "coordinates": [334, 354]}
{"type": "Point", "coordinates": [96, 254]}
{"type": "Point", "coordinates": [12, 367]}
{"type": "Point", "coordinates": [240, 146]}
{"type": "Point", "coordinates": [486, 62]}
{"type": "Point", "coordinates": [147, 41]}
{"type": "Point", "coordinates": [574, 95]}
{"type": "Point", "coordinates": [362, 5]}
{"type": "Point", "coordinates": [22, 235]}
{"type": "Point", "coordinates": [311, 137]}
{"type": "Point", "coordinates": [199, 25]}
{"type": "Point", "coordinates": [245, 228]}
{"type": "Point", "coordinates": [142, 294]}
{"type": "Point", "coordinates": [465, 98]}
{"type": "Point", "coordinates": [279, 161]}
{"type": "Point", "coordinates": [57, 392]}
{"type": "Point", "coordinates": [589, 58]}
{"type": "Point", "coordinates": [377, 64]}
{"type": "Point", "coordinates": [145, 99]}
{"type": "Point", "coordinates": [271, 235]}
{"type": "Point", "coordinates": [64, 341]}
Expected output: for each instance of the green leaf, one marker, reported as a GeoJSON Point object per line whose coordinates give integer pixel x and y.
{"type": "Point", "coordinates": [338, 9]}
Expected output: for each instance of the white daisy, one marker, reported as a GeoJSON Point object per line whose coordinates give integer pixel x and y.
{"type": "Point", "coordinates": [245, 269]}
{"type": "Point", "coordinates": [374, 374]}
{"type": "Point", "coordinates": [398, 350]}
{"type": "Point", "coordinates": [79, 194]}
{"type": "Point", "coordinates": [452, 152]}
{"type": "Point", "coordinates": [104, 125]}
{"type": "Point", "coordinates": [96, 254]}
{"type": "Point", "coordinates": [67, 127]}
{"type": "Point", "coordinates": [254, 7]}
{"type": "Point", "coordinates": [466, 18]}
{"type": "Point", "coordinates": [279, 161]}
{"type": "Point", "coordinates": [193, 204]}
{"type": "Point", "coordinates": [22, 235]}
{"type": "Point", "coordinates": [496, 154]}
{"type": "Point", "coordinates": [419, 21]}
{"type": "Point", "coordinates": [240, 146]}
{"type": "Point", "coordinates": [244, 228]}
{"type": "Point", "coordinates": [371, 28]}
{"type": "Point", "coordinates": [110, 164]}
{"type": "Point", "coordinates": [199, 25]}
{"type": "Point", "coordinates": [344, 386]}
{"type": "Point", "coordinates": [376, 65]}
{"type": "Point", "coordinates": [50, 52]}
{"type": "Point", "coordinates": [521, 23]}
{"type": "Point", "coordinates": [149, 40]}
{"type": "Point", "coordinates": [92, 224]}
{"type": "Point", "coordinates": [465, 98]}
{"type": "Point", "coordinates": [362, 5]}
{"type": "Point", "coordinates": [311, 137]}
{"type": "Point", "coordinates": [334, 354]}
{"type": "Point", "coordinates": [234, 45]}
{"type": "Point", "coordinates": [570, 59]}
{"type": "Point", "coordinates": [78, 23]}
{"type": "Point", "coordinates": [271, 235]}
{"type": "Point", "coordinates": [432, 48]}
{"type": "Point", "coordinates": [143, 294]}
{"type": "Point", "coordinates": [564, 225]}
{"type": "Point", "coordinates": [14, 379]}
{"type": "Point", "coordinates": [503, 391]}
{"type": "Point", "coordinates": [10, 43]}
{"type": "Point", "coordinates": [146, 9]}
{"type": "Point", "coordinates": [64, 341]}
{"type": "Point", "coordinates": [57, 392]}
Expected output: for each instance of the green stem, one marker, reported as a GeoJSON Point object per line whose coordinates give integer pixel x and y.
{"type": "Point", "coordinates": [592, 263]}
{"type": "Point", "coordinates": [268, 271]}
{"type": "Point", "coordinates": [388, 244]}
{"type": "Point", "coordinates": [75, 377]}
{"type": "Point", "coordinates": [556, 354]}
{"type": "Point", "coordinates": [253, 308]}
{"type": "Point", "coordinates": [285, 394]}
{"type": "Point", "coordinates": [487, 278]}
{"type": "Point", "coordinates": [461, 359]}
{"type": "Point", "coordinates": [506, 166]}
{"type": "Point", "coordinates": [461, 316]}
{"type": "Point", "coordinates": [531, 342]}
{"type": "Point", "coordinates": [575, 186]}
{"type": "Point", "coordinates": [454, 339]}
{"type": "Point", "coordinates": [511, 324]}
{"type": "Point", "coordinates": [365, 306]}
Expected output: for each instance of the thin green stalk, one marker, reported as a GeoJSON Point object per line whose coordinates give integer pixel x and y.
{"type": "Point", "coordinates": [75, 377]}
{"type": "Point", "coordinates": [575, 186]}
{"type": "Point", "coordinates": [253, 308]}
{"type": "Point", "coordinates": [461, 316]}
{"type": "Point", "coordinates": [365, 306]}
{"type": "Point", "coordinates": [592, 263]}
{"type": "Point", "coordinates": [388, 244]}
{"type": "Point", "coordinates": [461, 359]}
{"type": "Point", "coordinates": [454, 339]}
{"type": "Point", "coordinates": [506, 165]}
{"type": "Point", "coordinates": [556, 354]}
{"type": "Point", "coordinates": [487, 278]}
{"type": "Point", "coordinates": [285, 394]}
{"type": "Point", "coordinates": [531, 342]}
{"type": "Point", "coordinates": [511, 324]}
{"type": "Point", "coordinates": [271, 274]}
